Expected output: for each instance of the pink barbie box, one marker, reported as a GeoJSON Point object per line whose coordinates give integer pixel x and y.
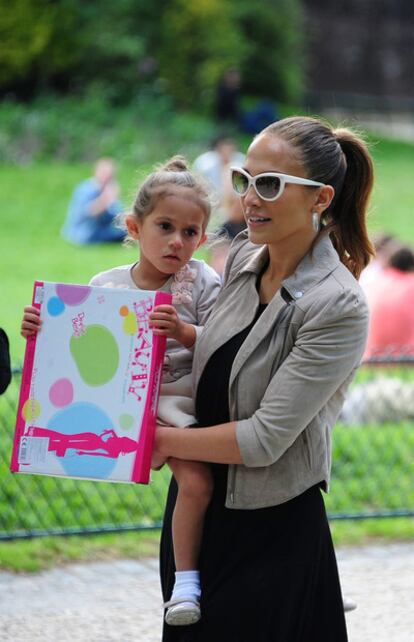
{"type": "Point", "coordinates": [90, 384]}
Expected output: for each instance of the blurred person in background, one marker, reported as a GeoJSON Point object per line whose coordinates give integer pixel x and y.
{"type": "Point", "coordinates": [227, 219]}
{"type": "Point", "coordinates": [234, 224]}
{"type": "Point", "coordinates": [391, 304]}
{"type": "Point", "coordinates": [383, 245]}
{"type": "Point", "coordinates": [93, 208]}
{"type": "Point", "coordinates": [214, 165]}
{"type": "Point", "coordinates": [226, 107]}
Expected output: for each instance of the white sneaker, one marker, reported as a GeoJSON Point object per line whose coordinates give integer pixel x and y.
{"type": "Point", "coordinates": [349, 605]}
{"type": "Point", "coordinates": [182, 611]}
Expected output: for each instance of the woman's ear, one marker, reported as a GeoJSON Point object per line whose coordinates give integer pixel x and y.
{"type": "Point", "coordinates": [131, 223]}
{"type": "Point", "coordinates": [324, 198]}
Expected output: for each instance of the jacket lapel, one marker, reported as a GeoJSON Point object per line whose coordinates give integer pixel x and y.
{"type": "Point", "coordinates": [265, 324]}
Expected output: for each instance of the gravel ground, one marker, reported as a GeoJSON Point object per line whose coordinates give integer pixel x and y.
{"type": "Point", "coordinates": [121, 602]}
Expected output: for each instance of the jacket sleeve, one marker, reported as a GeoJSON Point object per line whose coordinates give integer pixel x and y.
{"type": "Point", "coordinates": [209, 286]}
{"type": "Point", "coordinates": [328, 348]}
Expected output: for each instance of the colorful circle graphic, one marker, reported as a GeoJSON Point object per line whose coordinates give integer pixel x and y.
{"type": "Point", "coordinates": [73, 294]}
{"type": "Point", "coordinates": [31, 409]}
{"type": "Point", "coordinates": [96, 355]}
{"type": "Point", "coordinates": [55, 306]}
{"type": "Point", "coordinates": [61, 393]}
{"type": "Point", "coordinates": [126, 421]}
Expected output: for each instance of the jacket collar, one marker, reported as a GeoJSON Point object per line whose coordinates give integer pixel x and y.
{"type": "Point", "coordinates": [313, 268]}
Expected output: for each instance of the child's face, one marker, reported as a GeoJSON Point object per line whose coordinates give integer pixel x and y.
{"type": "Point", "coordinates": [170, 234]}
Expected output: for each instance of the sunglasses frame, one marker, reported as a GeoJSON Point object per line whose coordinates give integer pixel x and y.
{"type": "Point", "coordinates": [284, 179]}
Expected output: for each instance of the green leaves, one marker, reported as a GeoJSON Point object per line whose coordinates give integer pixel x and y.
{"type": "Point", "coordinates": [171, 47]}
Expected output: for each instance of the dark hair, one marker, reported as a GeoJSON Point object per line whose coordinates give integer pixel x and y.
{"type": "Point", "coordinates": [340, 158]}
{"type": "Point", "coordinates": [174, 173]}
{"type": "Point", "coordinates": [402, 258]}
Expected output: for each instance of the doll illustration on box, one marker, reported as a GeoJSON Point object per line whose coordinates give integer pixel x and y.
{"type": "Point", "coordinates": [105, 444]}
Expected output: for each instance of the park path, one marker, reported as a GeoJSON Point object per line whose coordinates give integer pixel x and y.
{"type": "Point", "coordinates": [120, 601]}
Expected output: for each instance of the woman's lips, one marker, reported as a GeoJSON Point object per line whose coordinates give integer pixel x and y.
{"type": "Point", "coordinates": [257, 221]}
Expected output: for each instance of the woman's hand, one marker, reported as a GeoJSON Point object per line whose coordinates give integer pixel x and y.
{"type": "Point", "coordinates": [31, 321]}
{"type": "Point", "coordinates": [165, 322]}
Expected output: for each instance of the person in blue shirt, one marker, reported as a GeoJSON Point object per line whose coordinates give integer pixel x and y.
{"type": "Point", "coordinates": [93, 208]}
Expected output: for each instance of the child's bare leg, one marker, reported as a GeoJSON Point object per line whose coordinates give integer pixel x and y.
{"type": "Point", "coordinates": [195, 485]}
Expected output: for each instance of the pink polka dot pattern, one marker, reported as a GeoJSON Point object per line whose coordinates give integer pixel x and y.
{"type": "Point", "coordinates": [61, 393]}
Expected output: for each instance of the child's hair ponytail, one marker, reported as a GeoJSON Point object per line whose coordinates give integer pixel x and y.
{"type": "Point", "coordinates": [174, 164]}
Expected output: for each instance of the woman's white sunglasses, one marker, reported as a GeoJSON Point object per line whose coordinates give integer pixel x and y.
{"type": "Point", "coordinates": [269, 185]}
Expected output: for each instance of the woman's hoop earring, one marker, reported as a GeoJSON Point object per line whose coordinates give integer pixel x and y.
{"type": "Point", "coordinates": [315, 221]}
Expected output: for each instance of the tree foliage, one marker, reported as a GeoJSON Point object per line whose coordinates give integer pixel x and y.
{"type": "Point", "coordinates": [128, 46]}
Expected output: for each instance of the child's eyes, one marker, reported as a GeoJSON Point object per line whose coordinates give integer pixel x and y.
{"type": "Point", "coordinates": [165, 226]}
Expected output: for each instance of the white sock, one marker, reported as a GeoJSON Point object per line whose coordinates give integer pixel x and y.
{"type": "Point", "coordinates": [187, 584]}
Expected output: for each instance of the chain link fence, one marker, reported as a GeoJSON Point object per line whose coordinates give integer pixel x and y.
{"type": "Point", "coordinates": [372, 476]}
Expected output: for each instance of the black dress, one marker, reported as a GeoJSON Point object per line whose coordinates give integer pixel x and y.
{"type": "Point", "coordinates": [267, 575]}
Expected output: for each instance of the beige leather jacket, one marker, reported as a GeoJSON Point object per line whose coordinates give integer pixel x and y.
{"type": "Point", "coordinates": [290, 375]}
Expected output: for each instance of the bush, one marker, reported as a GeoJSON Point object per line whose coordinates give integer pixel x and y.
{"type": "Point", "coordinates": [69, 129]}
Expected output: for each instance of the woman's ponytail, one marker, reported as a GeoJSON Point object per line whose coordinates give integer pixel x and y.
{"type": "Point", "coordinates": [336, 157]}
{"type": "Point", "coordinates": [346, 221]}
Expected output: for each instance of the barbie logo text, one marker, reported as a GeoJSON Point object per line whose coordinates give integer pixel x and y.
{"type": "Point", "coordinates": [78, 325]}
{"type": "Point", "coordinates": [141, 360]}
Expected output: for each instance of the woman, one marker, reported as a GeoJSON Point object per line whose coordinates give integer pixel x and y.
{"type": "Point", "coordinates": [271, 368]}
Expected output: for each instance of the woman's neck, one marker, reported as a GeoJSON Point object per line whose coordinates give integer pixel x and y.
{"type": "Point", "coordinates": [283, 261]}
{"type": "Point", "coordinates": [284, 257]}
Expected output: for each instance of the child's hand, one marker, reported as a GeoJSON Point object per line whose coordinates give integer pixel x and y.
{"type": "Point", "coordinates": [31, 321]}
{"type": "Point", "coordinates": [165, 322]}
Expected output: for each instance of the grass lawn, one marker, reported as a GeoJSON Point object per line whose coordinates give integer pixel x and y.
{"type": "Point", "coordinates": [392, 205]}
{"type": "Point", "coordinates": [40, 553]}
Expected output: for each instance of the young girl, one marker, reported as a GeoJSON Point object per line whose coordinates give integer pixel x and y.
{"type": "Point", "coordinates": [168, 221]}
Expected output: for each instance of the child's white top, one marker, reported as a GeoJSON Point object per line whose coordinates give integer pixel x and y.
{"type": "Point", "coordinates": [194, 288]}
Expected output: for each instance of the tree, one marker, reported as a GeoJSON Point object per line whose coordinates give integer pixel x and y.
{"type": "Point", "coordinates": [71, 45]}
{"type": "Point", "coordinates": [273, 67]}
{"type": "Point", "coordinates": [199, 40]}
